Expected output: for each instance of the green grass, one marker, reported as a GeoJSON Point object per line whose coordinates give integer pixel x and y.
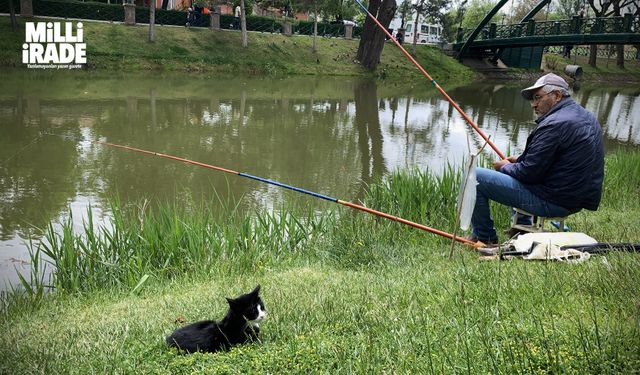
{"type": "Point", "coordinates": [345, 292]}
{"type": "Point", "coordinates": [115, 48]}
{"type": "Point", "coordinates": [605, 69]}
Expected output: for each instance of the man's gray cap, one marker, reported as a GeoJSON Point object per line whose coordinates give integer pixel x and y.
{"type": "Point", "coordinates": [547, 79]}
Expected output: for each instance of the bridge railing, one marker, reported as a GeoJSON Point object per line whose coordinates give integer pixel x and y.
{"type": "Point", "coordinates": [576, 25]}
{"type": "Point", "coordinates": [603, 51]}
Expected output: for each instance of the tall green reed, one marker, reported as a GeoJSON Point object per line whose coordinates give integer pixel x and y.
{"type": "Point", "coordinates": [169, 240]}
{"type": "Point", "coordinates": [622, 178]}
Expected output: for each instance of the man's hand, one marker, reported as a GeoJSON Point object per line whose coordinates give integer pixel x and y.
{"type": "Point", "coordinates": [500, 163]}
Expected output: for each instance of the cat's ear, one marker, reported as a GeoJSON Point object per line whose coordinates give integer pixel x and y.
{"type": "Point", "coordinates": [256, 290]}
{"type": "Point", "coordinates": [231, 302]}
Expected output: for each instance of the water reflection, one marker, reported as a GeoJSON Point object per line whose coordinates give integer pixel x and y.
{"type": "Point", "coordinates": [369, 135]}
{"type": "Point", "coordinates": [332, 136]}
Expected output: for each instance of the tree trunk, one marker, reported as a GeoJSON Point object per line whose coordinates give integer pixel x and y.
{"type": "Point", "coordinates": [12, 14]}
{"type": "Point", "coordinates": [415, 33]}
{"type": "Point", "coordinates": [315, 26]}
{"type": "Point", "coordinates": [370, 139]}
{"type": "Point", "coordinates": [593, 54]}
{"type": "Point", "coordinates": [152, 21]}
{"type": "Point", "coordinates": [243, 24]}
{"type": "Point", "coordinates": [619, 47]}
{"type": "Point", "coordinates": [372, 39]}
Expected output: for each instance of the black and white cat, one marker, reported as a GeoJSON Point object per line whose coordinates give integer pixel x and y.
{"type": "Point", "coordinates": [239, 326]}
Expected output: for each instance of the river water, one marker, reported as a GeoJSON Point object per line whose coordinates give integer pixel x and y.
{"type": "Point", "coordinates": [329, 135]}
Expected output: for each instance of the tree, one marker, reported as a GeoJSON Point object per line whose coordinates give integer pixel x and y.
{"type": "Point", "coordinates": [452, 20]}
{"type": "Point", "coordinates": [152, 22]}
{"type": "Point", "coordinates": [475, 12]}
{"type": "Point", "coordinates": [12, 14]}
{"type": "Point", "coordinates": [428, 9]}
{"type": "Point", "coordinates": [331, 9]}
{"type": "Point", "coordinates": [311, 5]}
{"type": "Point", "coordinates": [522, 8]}
{"type": "Point", "coordinates": [372, 39]}
{"type": "Point", "coordinates": [404, 10]}
{"type": "Point", "coordinates": [599, 9]}
{"type": "Point", "coordinates": [569, 8]}
{"type": "Point", "coordinates": [243, 24]}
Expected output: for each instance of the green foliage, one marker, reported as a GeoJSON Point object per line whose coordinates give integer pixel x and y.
{"type": "Point", "coordinates": [404, 11]}
{"type": "Point", "coordinates": [476, 10]}
{"type": "Point", "coordinates": [522, 8]}
{"type": "Point", "coordinates": [431, 10]}
{"type": "Point", "coordinates": [551, 61]}
{"type": "Point", "coordinates": [330, 9]}
{"type": "Point", "coordinates": [569, 8]}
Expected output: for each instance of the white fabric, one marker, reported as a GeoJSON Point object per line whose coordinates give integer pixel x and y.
{"type": "Point", "coordinates": [467, 194]}
{"type": "Point", "coordinates": [546, 246]}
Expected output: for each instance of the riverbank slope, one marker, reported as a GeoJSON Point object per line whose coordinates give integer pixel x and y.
{"type": "Point", "coordinates": [115, 47]}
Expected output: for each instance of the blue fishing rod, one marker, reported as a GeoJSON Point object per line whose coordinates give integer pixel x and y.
{"type": "Point", "coordinates": [299, 190]}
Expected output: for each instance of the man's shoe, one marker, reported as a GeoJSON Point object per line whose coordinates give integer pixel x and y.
{"type": "Point", "coordinates": [487, 242]}
{"type": "Point", "coordinates": [513, 232]}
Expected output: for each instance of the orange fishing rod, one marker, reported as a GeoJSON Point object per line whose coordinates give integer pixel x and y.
{"type": "Point", "coordinates": [433, 81]}
{"type": "Point", "coordinates": [317, 195]}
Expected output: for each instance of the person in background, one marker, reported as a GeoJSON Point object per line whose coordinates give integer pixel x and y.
{"type": "Point", "coordinates": [190, 17]}
{"type": "Point", "coordinates": [560, 171]}
{"type": "Point", "coordinates": [236, 19]}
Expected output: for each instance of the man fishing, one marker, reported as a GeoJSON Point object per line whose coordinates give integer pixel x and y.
{"type": "Point", "coordinates": [560, 171]}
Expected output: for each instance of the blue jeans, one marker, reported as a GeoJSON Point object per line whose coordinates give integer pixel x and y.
{"type": "Point", "coordinates": [502, 188]}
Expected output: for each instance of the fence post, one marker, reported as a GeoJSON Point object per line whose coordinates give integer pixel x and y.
{"type": "Point", "coordinates": [492, 30]}
{"type": "Point", "coordinates": [531, 27]}
{"type": "Point", "coordinates": [129, 13]}
{"type": "Point", "coordinates": [575, 24]}
{"type": "Point", "coordinates": [626, 23]}
{"type": "Point", "coordinates": [26, 8]}
{"type": "Point", "coordinates": [214, 23]}
{"type": "Point", "coordinates": [597, 26]}
{"type": "Point", "coordinates": [348, 31]}
{"type": "Point", "coordinates": [286, 27]}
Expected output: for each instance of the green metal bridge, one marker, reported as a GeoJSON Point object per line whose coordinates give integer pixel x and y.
{"type": "Point", "coordinates": [490, 38]}
{"type": "Point", "coordinates": [611, 30]}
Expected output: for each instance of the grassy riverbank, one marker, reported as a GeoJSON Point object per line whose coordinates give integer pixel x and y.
{"type": "Point", "coordinates": [344, 294]}
{"type": "Point", "coordinates": [114, 47]}
{"type": "Point", "coordinates": [605, 70]}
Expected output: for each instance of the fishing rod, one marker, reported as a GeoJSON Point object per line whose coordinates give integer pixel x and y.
{"type": "Point", "coordinates": [304, 191]}
{"type": "Point", "coordinates": [433, 81]}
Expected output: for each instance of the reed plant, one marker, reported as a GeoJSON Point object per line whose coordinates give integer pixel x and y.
{"type": "Point", "coordinates": [166, 241]}
{"type": "Point", "coordinates": [345, 292]}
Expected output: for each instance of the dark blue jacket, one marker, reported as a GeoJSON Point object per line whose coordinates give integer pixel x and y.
{"type": "Point", "coordinates": [563, 161]}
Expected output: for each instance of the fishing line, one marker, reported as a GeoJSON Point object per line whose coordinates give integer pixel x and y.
{"type": "Point", "coordinates": [22, 149]}
{"type": "Point", "coordinates": [433, 81]}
